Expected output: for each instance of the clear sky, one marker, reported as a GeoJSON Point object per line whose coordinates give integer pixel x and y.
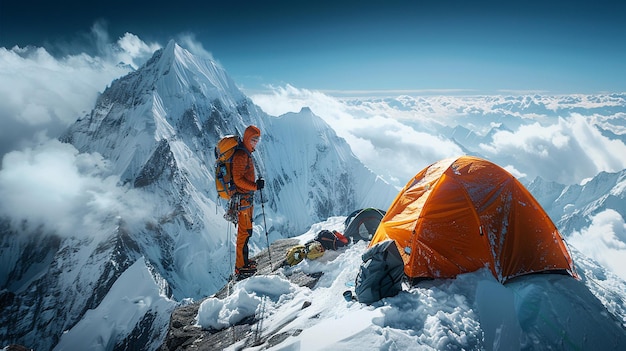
{"type": "Point", "coordinates": [480, 46]}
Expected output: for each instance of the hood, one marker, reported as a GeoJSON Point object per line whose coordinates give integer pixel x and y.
{"type": "Point", "coordinates": [250, 132]}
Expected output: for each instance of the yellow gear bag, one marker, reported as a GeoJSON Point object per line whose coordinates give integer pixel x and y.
{"type": "Point", "coordinates": [314, 250]}
{"type": "Point", "coordinates": [295, 255]}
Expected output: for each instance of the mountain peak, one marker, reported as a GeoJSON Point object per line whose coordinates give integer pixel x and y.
{"type": "Point", "coordinates": [174, 91]}
{"type": "Point", "coordinates": [174, 69]}
{"type": "Point", "coordinates": [171, 45]}
{"type": "Point", "coordinates": [168, 53]}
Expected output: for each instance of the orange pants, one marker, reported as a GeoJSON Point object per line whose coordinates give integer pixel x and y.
{"type": "Point", "coordinates": [244, 231]}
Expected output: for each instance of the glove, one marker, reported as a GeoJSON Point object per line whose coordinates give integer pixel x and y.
{"type": "Point", "coordinates": [260, 183]}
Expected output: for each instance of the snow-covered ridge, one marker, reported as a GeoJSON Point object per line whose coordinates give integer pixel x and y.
{"type": "Point", "coordinates": [572, 206]}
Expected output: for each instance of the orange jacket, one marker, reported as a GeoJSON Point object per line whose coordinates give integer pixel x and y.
{"type": "Point", "coordinates": [243, 164]}
{"type": "Point", "coordinates": [243, 172]}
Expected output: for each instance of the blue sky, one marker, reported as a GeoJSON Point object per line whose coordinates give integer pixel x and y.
{"type": "Point", "coordinates": [469, 46]}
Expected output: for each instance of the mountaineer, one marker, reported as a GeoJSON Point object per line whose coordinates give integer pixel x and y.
{"type": "Point", "coordinates": [244, 178]}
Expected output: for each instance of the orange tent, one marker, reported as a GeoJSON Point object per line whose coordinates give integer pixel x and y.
{"type": "Point", "coordinates": [459, 215]}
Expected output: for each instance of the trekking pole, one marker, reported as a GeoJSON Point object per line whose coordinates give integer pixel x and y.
{"type": "Point", "coordinates": [230, 261]}
{"type": "Point", "coordinates": [269, 251]}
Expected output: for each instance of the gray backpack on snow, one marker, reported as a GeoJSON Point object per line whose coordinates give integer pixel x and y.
{"type": "Point", "coordinates": [380, 274]}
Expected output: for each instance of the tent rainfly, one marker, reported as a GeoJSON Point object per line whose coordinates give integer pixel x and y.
{"type": "Point", "coordinates": [462, 214]}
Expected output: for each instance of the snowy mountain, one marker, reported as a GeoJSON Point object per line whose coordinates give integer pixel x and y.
{"type": "Point", "coordinates": [114, 280]}
{"type": "Point", "coordinates": [114, 285]}
{"type": "Point", "coordinates": [156, 129]}
{"type": "Point", "coordinates": [573, 206]}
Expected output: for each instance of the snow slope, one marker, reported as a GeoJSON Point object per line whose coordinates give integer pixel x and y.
{"type": "Point", "coordinates": [134, 295]}
{"type": "Point", "coordinates": [470, 312]}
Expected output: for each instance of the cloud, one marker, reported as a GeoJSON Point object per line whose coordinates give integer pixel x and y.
{"type": "Point", "coordinates": [134, 51]}
{"type": "Point", "coordinates": [43, 94]}
{"type": "Point", "coordinates": [568, 151]}
{"type": "Point", "coordinates": [189, 42]}
{"type": "Point", "coordinates": [604, 240]}
{"type": "Point", "coordinates": [529, 136]}
{"type": "Point", "coordinates": [375, 133]}
{"type": "Point", "coordinates": [71, 193]}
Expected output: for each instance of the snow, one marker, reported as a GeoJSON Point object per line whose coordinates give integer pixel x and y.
{"type": "Point", "coordinates": [218, 314]}
{"type": "Point", "coordinates": [134, 293]}
{"type": "Point", "coordinates": [472, 311]}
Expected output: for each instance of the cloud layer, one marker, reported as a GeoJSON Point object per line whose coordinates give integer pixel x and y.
{"type": "Point", "coordinates": [529, 136]}
{"type": "Point", "coordinates": [377, 137]}
{"type": "Point", "coordinates": [568, 151]}
{"type": "Point", "coordinates": [70, 193]}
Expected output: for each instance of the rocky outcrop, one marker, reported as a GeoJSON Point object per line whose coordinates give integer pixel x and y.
{"type": "Point", "coordinates": [185, 334]}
